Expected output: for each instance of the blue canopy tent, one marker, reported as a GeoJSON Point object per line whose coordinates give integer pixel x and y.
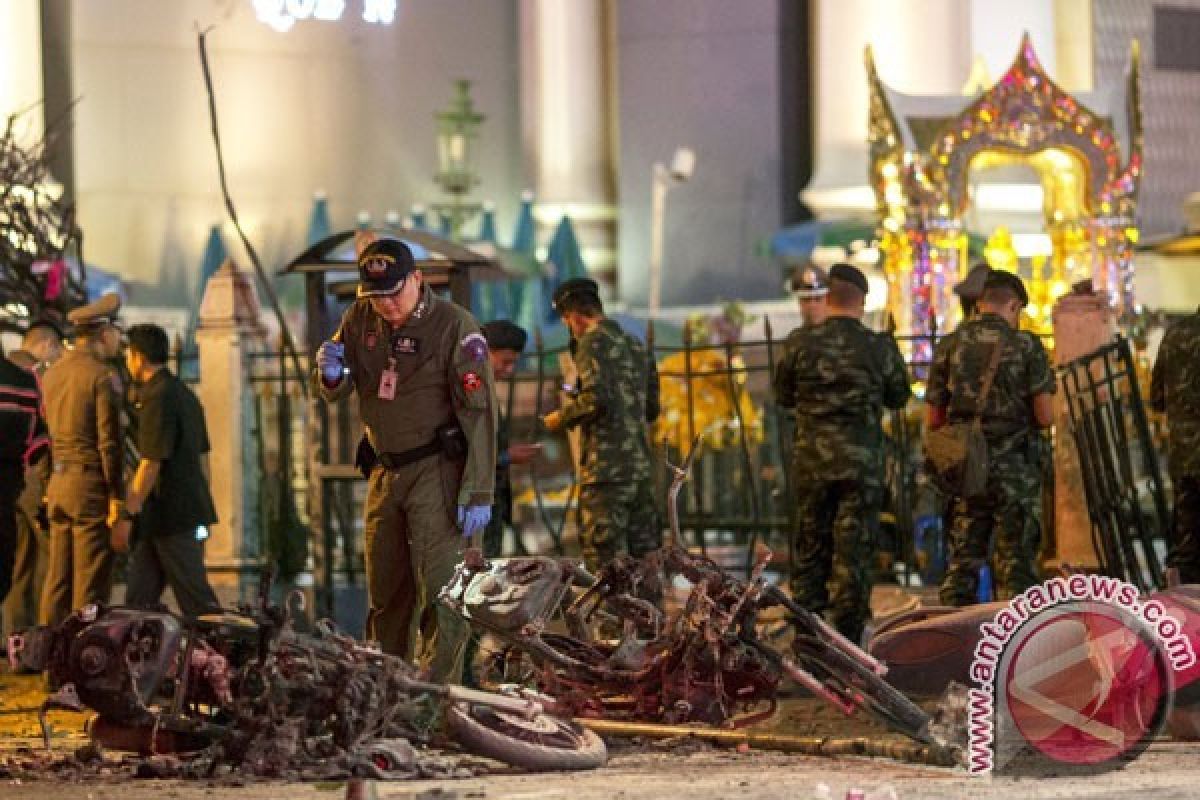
{"type": "Point", "coordinates": [527, 300]}
{"type": "Point", "coordinates": [318, 220]}
{"type": "Point", "coordinates": [490, 299]}
{"type": "Point", "coordinates": [564, 262]}
{"type": "Point", "coordinates": [214, 256]}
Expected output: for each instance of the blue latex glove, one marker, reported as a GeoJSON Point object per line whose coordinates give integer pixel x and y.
{"type": "Point", "coordinates": [473, 519]}
{"type": "Point", "coordinates": [331, 361]}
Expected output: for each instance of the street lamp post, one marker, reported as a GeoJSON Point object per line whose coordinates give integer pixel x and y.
{"type": "Point", "coordinates": [458, 132]}
{"type": "Point", "coordinates": [683, 164]}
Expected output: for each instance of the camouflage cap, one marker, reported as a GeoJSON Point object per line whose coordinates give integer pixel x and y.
{"type": "Point", "coordinates": [98, 312]}
{"type": "Point", "coordinates": [999, 279]}
{"type": "Point", "coordinates": [809, 281]}
{"type": "Point", "coordinates": [504, 335]}
{"type": "Point", "coordinates": [575, 288]}
{"type": "Point", "coordinates": [382, 267]}
{"type": "Point", "coordinates": [851, 275]}
{"type": "Point", "coordinates": [971, 287]}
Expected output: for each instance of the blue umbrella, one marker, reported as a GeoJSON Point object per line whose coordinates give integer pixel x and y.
{"type": "Point", "coordinates": [318, 221]}
{"type": "Point", "coordinates": [420, 221]}
{"type": "Point", "coordinates": [490, 299]}
{"type": "Point", "coordinates": [215, 255]}
{"type": "Point", "coordinates": [527, 301]}
{"type": "Point", "coordinates": [564, 261]}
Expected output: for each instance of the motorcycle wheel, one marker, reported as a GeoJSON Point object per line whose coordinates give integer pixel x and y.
{"type": "Point", "coordinates": [541, 744]}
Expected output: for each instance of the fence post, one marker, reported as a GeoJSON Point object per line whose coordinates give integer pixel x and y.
{"type": "Point", "coordinates": [1083, 323]}
{"type": "Point", "coordinates": [229, 330]}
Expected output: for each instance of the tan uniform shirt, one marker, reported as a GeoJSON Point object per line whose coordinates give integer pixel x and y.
{"type": "Point", "coordinates": [442, 373]}
{"type": "Point", "coordinates": [83, 414]}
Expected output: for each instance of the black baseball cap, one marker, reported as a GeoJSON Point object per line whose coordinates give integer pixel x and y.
{"type": "Point", "coordinates": [851, 275]}
{"type": "Point", "coordinates": [382, 267]}
{"type": "Point", "coordinates": [999, 279]}
{"type": "Point", "coordinates": [575, 288]}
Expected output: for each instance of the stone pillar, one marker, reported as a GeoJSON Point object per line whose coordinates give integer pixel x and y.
{"type": "Point", "coordinates": [228, 331]}
{"type": "Point", "coordinates": [1083, 323]}
{"type": "Point", "coordinates": [566, 122]}
{"type": "Point", "coordinates": [21, 65]}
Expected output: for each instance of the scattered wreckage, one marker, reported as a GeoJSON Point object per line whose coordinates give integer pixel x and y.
{"type": "Point", "coordinates": [247, 691]}
{"type": "Point", "coordinates": [707, 661]}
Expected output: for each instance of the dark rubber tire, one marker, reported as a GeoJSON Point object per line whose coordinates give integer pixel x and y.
{"type": "Point", "coordinates": [565, 746]}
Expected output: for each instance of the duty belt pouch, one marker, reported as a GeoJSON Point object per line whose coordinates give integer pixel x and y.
{"type": "Point", "coordinates": [365, 458]}
{"type": "Point", "coordinates": [454, 441]}
{"type": "Point", "coordinates": [958, 453]}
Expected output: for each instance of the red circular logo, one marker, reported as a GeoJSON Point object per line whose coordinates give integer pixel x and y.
{"type": "Point", "coordinates": [1086, 685]}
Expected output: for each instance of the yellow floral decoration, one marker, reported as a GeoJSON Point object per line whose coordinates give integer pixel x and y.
{"type": "Point", "coordinates": [720, 404]}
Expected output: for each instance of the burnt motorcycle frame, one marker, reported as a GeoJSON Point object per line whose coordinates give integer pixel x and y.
{"type": "Point", "coordinates": [160, 684]}
{"type": "Point", "coordinates": [707, 662]}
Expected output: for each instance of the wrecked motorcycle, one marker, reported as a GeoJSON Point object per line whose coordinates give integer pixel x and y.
{"type": "Point", "coordinates": [246, 689]}
{"type": "Point", "coordinates": [706, 661]}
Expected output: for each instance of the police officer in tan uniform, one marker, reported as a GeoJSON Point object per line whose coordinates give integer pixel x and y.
{"type": "Point", "coordinates": [419, 366]}
{"type": "Point", "coordinates": [85, 495]}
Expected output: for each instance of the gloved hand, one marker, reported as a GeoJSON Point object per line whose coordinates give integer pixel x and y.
{"type": "Point", "coordinates": [473, 519]}
{"type": "Point", "coordinates": [330, 358]}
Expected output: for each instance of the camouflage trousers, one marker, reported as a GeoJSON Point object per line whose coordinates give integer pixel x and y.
{"type": "Point", "coordinates": [617, 518]}
{"type": "Point", "coordinates": [1006, 519]}
{"type": "Point", "coordinates": [833, 550]}
{"type": "Point", "coordinates": [1184, 553]}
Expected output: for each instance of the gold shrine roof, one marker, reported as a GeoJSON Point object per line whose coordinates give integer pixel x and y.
{"type": "Point", "coordinates": [1025, 111]}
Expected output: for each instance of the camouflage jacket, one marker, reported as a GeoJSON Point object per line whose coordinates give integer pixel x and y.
{"type": "Point", "coordinates": [956, 380]}
{"type": "Point", "coordinates": [838, 376]}
{"type": "Point", "coordinates": [615, 395]}
{"type": "Point", "coordinates": [1175, 389]}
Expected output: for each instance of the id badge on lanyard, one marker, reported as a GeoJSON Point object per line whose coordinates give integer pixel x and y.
{"type": "Point", "coordinates": [387, 381]}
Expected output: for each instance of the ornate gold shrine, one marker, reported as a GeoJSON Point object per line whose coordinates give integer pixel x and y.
{"type": "Point", "coordinates": [1086, 150]}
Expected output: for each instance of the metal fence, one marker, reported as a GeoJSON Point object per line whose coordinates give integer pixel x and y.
{"type": "Point", "coordinates": [1119, 463]}
{"type": "Point", "coordinates": [739, 496]}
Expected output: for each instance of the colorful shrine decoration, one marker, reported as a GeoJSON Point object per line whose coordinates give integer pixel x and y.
{"type": "Point", "coordinates": [703, 387]}
{"type": "Point", "coordinates": [1086, 150]}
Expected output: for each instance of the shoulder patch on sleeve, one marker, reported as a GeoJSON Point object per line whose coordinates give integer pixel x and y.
{"type": "Point", "coordinates": [474, 347]}
{"type": "Point", "coordinates": [471, 382]}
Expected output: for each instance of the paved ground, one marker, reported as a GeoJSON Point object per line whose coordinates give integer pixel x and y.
{"type": "Point", "coordinates": [1168, 771]}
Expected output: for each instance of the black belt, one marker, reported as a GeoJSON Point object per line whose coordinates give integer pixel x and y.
{"type": "Point", "coordinates": [406, 457]}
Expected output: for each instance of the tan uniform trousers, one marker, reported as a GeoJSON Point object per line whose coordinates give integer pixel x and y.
{"type": "Point", "coordinates": [81, 556]}
{"type": "Point", "coordinates": [412, 547]}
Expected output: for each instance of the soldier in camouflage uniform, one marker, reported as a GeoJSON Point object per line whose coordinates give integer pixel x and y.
{"type": "Point", "coordinates": [420, 368]}
{"type": "Point", "coordinates": [1175, 389]}
{"type": "Point", "coordinates": [934, 507]}
{"type": "Point", "coordinates": [615, 397]}
{"type": "Point", "coordinates": [838, 376]}
{"type": "Point", "coordinates": [1020, 402]}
